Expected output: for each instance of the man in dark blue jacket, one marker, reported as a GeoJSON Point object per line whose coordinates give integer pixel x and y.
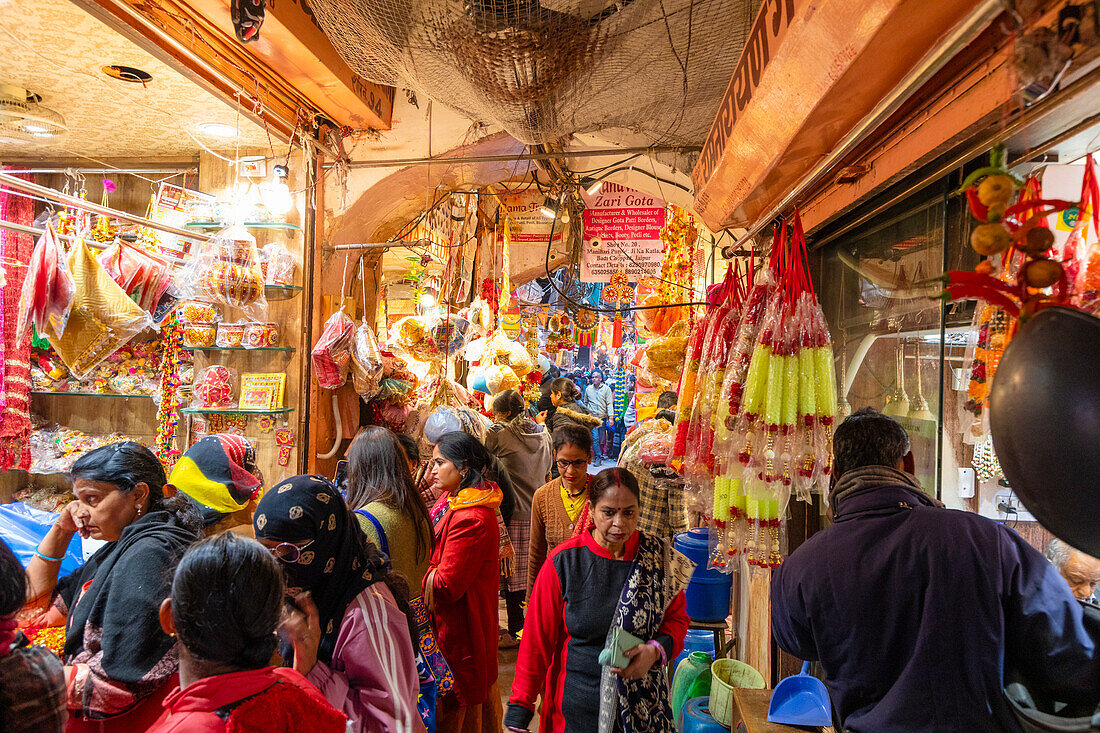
{"type": "Point", "coordinates": [915, 610]}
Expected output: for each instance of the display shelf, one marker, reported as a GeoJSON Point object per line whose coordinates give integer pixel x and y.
{"type": "Point", "coordinates": [92, 394]}
{"type": "Point", "coordinates": [281, 292]}
{"type": "Point", "coordinates": [284, 349]}
{"type": "Point", "coordinates": [262, 226]}
{"type": "Point", "coordinates": [233, 411]}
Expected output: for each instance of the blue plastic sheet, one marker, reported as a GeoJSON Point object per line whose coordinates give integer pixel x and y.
{"type": "Point", "coordinates": [22, 527]}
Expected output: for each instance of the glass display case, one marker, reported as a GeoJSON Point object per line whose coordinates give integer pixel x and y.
{"type": "Point", "coordinates": [898, 349]}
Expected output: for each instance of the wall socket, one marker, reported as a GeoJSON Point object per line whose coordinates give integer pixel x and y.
{"type": "Point", "coordinates": [1009, 508]}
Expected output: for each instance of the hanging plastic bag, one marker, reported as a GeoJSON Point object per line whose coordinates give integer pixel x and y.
{"type": "Point", "coordinates": [143, 275]}
{"type": "Point", "coordinates": [226, 270]}
{"type": "Point", "coordinates": [331, 355]}
{"type": "Point", "coordinates": [102, 319]}
{"type": "Point", "coordinates": [500, 378]}
{"type": "Point", "coordinates": [47, 294]}
{"type": "Point", "coordinates": [366, 361]}
{"type": "Point", "coordinates": [666, 354]}
{"type": "Point", "coordinates": [443, 420]}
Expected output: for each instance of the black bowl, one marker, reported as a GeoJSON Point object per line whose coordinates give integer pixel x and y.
{"type": "Point", "coordinates": [1044, 411]}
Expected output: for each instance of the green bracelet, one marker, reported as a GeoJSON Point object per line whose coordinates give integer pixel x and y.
{"type": "Point", "coordinates": [47, 558]}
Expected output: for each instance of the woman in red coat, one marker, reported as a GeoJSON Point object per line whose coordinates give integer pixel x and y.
{"type": "Point", "coordinates": [226, 602]}
{"type": "Point", "coordinates": [461, 585]}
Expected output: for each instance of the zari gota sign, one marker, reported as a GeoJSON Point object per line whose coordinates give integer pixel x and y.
{"type": "Point", "coordinates": [622, 231]}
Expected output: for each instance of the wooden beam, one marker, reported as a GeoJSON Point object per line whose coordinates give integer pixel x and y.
{"type": "Point", "coordinates": [292, 44]}
{"type": "Point", "coordinates": [187, 40]}
{"type": "Point", "coordinates": [811, 75]}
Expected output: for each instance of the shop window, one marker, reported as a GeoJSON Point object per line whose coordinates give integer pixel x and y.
{"type": "Point", "coordinates": [897, 350]}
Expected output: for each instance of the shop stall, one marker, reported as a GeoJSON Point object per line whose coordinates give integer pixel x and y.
{"type": "Point", "coordinates": [163, 298]}
{"type": "Point", "coordinates": [920, 161]}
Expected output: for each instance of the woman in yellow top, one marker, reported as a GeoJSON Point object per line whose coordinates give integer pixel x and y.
{"type": "Point", "coordinates": [557, 507]}
{"type": "Point", "coordinates": [384, 499]}
{"type": "Point", "coordinates": [391, 514]}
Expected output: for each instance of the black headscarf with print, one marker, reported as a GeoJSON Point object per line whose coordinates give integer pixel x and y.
{"type": "Point", "coordinates": [337, 565]}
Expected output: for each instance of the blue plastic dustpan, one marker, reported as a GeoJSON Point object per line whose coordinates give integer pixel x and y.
{"type": "Point", "coordinates": [800, 700]}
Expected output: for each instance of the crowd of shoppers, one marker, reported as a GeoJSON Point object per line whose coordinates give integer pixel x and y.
{"type": "Point", "coordinates": [303, 609]}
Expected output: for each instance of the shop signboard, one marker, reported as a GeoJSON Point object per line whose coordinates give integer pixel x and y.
{"type": "Point", "coordinates": [530, 231]}
{"type": "Point", "coordinates": [528, 225]}
{"type": "Point", "coordinates": [622, 232]}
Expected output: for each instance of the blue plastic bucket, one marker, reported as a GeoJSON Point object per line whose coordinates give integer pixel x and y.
{"type": "Point", "coordinates": [696, 718]}
{"type": "Point", "coordinates": [708, 593]}
{"type": "Point", "coordinates": [696, 640]}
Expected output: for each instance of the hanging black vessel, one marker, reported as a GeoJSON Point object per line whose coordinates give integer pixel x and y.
{"type": "Point", "coordinates": [1044, 411]}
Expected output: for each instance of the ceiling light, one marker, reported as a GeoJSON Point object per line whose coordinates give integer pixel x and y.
{"type": "Point", "coordinates": [127, 73]}
{"type": "Point", "coordinates": [32, 128]}
{"type": "Point", "coordinates": [217, 129]}
{"type": "Point", "coordinates": [594, 188]}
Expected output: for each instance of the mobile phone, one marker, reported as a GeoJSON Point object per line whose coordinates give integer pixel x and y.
{"type": "Point", "coordinates": [341, 476]}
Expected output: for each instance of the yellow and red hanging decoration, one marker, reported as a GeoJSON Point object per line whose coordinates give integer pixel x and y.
{"type": "Point", "coordinates": [679, 237]}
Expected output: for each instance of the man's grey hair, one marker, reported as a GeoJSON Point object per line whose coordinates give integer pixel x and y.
{"type": "Point", "coordinates": [1058, 553]}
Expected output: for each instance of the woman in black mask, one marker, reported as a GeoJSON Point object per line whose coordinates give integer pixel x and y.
{"type": "Point", "coordinates": [349, 629]}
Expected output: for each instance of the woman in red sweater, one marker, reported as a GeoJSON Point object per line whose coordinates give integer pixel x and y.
{"type": "Point", "coordinates": [227, 599]}
{"type": "Point", "coordinates": [611, 576]}
{"type": "Point", "coordinates": [461, 585]}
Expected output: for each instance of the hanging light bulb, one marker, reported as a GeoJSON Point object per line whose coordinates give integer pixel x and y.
{"type": "Point", "coordinates": [276, 196]}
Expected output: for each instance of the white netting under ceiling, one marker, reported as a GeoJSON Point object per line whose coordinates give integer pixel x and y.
{"type": "Point", "coordinates": [645, 71]}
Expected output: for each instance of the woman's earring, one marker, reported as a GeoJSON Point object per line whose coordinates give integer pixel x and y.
{"type": "Point", "coordinates": [139, 510]}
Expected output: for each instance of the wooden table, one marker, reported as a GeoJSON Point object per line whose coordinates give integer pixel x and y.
{"type": "Point", "coordinates": [750, 714]}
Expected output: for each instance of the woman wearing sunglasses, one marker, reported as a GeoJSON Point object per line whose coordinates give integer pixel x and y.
{"type": "Point", "coordinates": [557, 507]}
{"type": "Point", "coordinates": [348, 628]}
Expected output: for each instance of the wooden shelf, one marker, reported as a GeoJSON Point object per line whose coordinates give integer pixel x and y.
{"type": "Point", "coordinates": [92, 394]}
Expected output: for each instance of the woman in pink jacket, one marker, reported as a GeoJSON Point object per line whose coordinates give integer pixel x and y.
{"type": "Point", "coordinates": [350, 632]}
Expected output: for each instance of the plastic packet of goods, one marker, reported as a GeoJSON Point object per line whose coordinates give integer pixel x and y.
{"type": "Point", "coordinates": [225, 270]}
{"type": "Point", "coordinates": [46, 297]}
{"type": "Point", "coordinates": [214, 388]}
{"type": "Point", "coordinates": [280, 264]}
{"type": "Point", "coordinates": [331, 355]}
{"type": "Point", "coordinates": [366, 361]}
{"type": "Point", "coordinates": [102, 319]}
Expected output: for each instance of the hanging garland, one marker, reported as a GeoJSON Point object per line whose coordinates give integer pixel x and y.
{"type": "Point", "coordinates": [168, 415]}
{"type": "Point", "coordinates": [679, 237]}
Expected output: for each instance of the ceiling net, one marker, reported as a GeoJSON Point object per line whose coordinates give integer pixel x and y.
{"type": "Point", "coordinates": [641, 71]}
